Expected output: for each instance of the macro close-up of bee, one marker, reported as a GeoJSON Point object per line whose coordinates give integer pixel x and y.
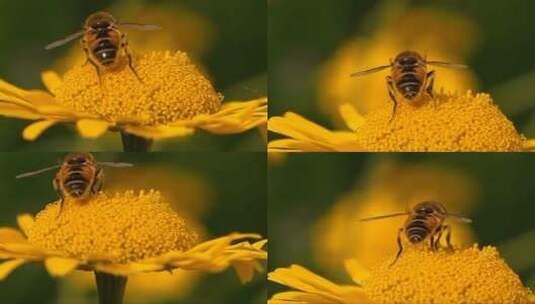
{"type": "Point", "coordinates": [424, 221]}
{"type": "Point", "coordinates": [79, 176]}
{"type": "Point", "coordinates": [409, 76]}
{"type": "Point", "coordinates": [104, 43]}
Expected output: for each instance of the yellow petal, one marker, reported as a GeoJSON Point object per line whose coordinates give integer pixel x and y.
{"type": "Point", "coordinates": [10, 235]}
{"type": "Point", "coordinates": [51, 80]}
{"type": "Point", "coordinates": [358, 272]}
{"type": "Point", "coordinates": [25, 222]}
{"type": "Point", "coordinates": [58, 267]}
{"type": "Point", "coordinates": [352, 118]}
{"type": "Point", "coordinates": [299, 297]}
{"type": "Point", "coordinates": [20, 248]}
{"type": "Point", "coordinates": [246, 270]}
{"type": "Point", "coordinates": [7, 267]}
{"type": "Point", "coordinates": [7, 87]}
{"type": "Point", "coordinates": [34, 130]}
{"type": "Point", "coordinates": [16, 111]}
{"type": "Point", "coordinates": [92, 128]}
{"type": "Point", "coordinates": [302, 279]}
{"type": "Point", "coordinates": [159, 132]}
{"type": "Point", "coordinates": [128, 269]}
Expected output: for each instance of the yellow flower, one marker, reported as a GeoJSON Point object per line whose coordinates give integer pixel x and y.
{"type": "Point", "coordinates": [470, 275]}
{"type": "Point", "coordinates": [450, 122]}
{"type": "Point", "coordinates": [187, 193]}
{"type": "Point", "coordinates": [121, 235]}
{"type": "Point", "coordinates": [390, 187]}
{"type": "Point", "coordinates": [436, 34]}
{"type": "Point", "coordinates": [172, 99]}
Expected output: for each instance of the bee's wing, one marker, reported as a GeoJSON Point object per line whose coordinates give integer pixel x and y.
{"type": "Point", "coordinates": [460, 218]}
{"type": "Point", "coordinates": [116, 165]}
{"type": "Point", "coordinates": [65, 40]}
{"type": "Point", "coordinates": [447, 65]}
{"type": "Point", "coordinates": [140, 27]}
{"type": "Point", "coordinates": [380, 217]}
{"type": "Point", "coordinates": [28, 174]}
{"type": "Point", "coordinates": [370, 71]}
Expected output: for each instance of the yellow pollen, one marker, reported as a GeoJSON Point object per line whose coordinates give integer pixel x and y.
{"type": "Point", "coordinates": [470, 275]}
{"type": "Point", "coordinates": [451, 122]}
{"type": "Point", "coordinates": [121, 228]}
{"type": "Point", "coordinates": [171, 89]}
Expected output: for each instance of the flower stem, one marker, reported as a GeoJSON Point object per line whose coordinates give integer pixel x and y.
{"type": "Point", "coordinates": [133, 143]}
{"type": "Point", "coordinates": [110, 288]}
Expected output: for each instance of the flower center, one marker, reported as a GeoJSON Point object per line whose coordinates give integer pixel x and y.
{"type": "Point", "coordinates": [470, 275]}
{"type": "Point", "coordinates": [171, 89]}
{"type": "Point", "coordinates": [451, 122]}
{"type": "Point", "coordinates": [121, 228]}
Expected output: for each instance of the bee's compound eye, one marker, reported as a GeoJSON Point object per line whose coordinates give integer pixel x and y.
{"type": "Point", "coordinates": [428, 210]}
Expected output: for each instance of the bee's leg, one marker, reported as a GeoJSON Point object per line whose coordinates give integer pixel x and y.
{"type": "Point", "coordinates": [391, 93]}
{"type": "Point", "coordinates": [55, 183]}
{"type": "Point", "coordinates": [124, 45]}
{"type": "Point", "coordinates": [400, 231]}
{"type": "Point", "coordinates": [94, 65]}
{"type": "Point", "coordinates": [448, 236]}
{"type": "Point", "coordinates": [429, 88]}
{"type": "Point", "coordinates": [436, 244]}
{"type": "Point", "coordinates": [97, 181]}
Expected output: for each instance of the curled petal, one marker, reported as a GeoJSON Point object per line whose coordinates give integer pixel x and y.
{"type": "Point", "coordinates": [159, 132]}
{"type": "Point", "coordinates": [10, 235]}
{"type": "Point", "coordinates": [304, 280]}
{"type": "Point", "coordinates": [7, 267]}
{"type": "Point", "coordinates": [51, 80]}
{"type": "Point", "coordinates": [58, 267]}
{"type": "Point", "coordinates": [34, 130]}
{"type": "Point", "coordinates": [25, 222]}
{"type": "Point", "coordinates": [358, 272]}
{"type": "Point", "coordinates": [92, 128]}
{"type": "Point", "coordinates": [351, 116]}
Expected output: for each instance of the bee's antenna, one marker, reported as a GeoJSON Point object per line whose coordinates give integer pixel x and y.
{"type": "Point", "coordinates": [28, 174]}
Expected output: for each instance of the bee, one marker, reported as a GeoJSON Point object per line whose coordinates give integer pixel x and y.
{"type": "Point", "coordinates": [409, 76]}
{"type": "Point", "coordinates": [79, 176]}
{"type": "Point", "coordinates": [424, 221]}
{"type": "Point", "coordinates": [103, 42]}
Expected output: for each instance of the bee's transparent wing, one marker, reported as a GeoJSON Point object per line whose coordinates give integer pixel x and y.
{"type": "Point", "coordinates": [460, 218]}
{"type": "Point", "coordinates": [370, 71]}
{"type": "Point", "coordinates": [28, 174]}
{"type": "Point", "coordinates": [447, 65]}
{"type": "Point", "coordinates": [65, 40]}
{"type": "Point", "coordinates": [380, 217]}
{"type": "Point", "coordinates": [116, 165]}
{"type": "Point", "coordinates": [140, 27]}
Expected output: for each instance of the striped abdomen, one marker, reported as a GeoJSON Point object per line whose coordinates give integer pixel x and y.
{"type": "Point", "coordinates": [75, 181]}
{"type": "Point", "coordinates": [104, 48]}
{"type": "Point", "coordinates": [418, 227]}
{"type": "Point", "coordinates": [408, 83]}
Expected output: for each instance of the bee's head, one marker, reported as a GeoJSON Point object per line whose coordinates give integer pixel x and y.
{"type": "Point", "coordinates": [430, 207]}
{"type": "Point", "coordinates": [100, 20]}
{"type": "Point", "coordinates": [408, 58]}
{"type": "Point", "coordinates": [78, 158]}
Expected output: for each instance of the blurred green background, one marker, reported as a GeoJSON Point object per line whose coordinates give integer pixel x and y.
{"type": "Point", "coordinates": [237, 202]}
{"type": "Point", "coordinates": [304, 188]}
{"type": "Point", "coordinates": [226, 38]}
{"type": "Point", "coordinates": [304, 37]}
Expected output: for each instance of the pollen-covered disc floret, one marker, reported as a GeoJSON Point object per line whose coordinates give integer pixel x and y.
{"type": "Point", "coordinates": [470, 275]}
{"type": "Point", "coordinates": [450, 122]}
{"type": "Point", "coordinates": [171, 88]}
{"type": "Point", "coordinates": [120, 228]}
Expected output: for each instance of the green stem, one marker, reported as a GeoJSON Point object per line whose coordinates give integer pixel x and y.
{"type": "Point", "coordinates": [133, 143]}
{"type": "Point", "coordinates": [110, 288]}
